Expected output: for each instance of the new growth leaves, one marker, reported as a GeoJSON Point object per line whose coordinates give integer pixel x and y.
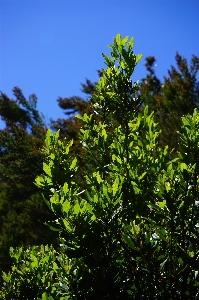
{"type": "Point", "coordinates": [115, 93]}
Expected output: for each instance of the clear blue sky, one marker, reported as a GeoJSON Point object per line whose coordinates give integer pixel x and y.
{"type": "Point", "coordinates": [50, 47]}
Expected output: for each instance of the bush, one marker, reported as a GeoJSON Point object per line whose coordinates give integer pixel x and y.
{"type": "Point", "coordinates": [35, 272]}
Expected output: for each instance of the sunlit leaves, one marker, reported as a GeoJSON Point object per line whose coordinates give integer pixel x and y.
{"type": "Point", "coordinates": [34, 272]}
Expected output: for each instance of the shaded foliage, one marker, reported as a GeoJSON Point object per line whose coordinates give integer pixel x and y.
{"type": "Point", "coordinates": [22, 211]}
{"type": "Point", "coordinates": [176, 96]}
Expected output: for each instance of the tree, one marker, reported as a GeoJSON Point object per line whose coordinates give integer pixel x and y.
{"type": "Point", "coordinates": [22, 211]}
{"type": "Point", "coordinates": [69, 127]}
{"type": "Point", "coordinates": [176, 96]}
{"type": "Point", "coordinates": [132, 233]}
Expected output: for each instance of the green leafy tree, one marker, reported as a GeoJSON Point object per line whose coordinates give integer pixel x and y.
{"type": "Point", "coordinates": [170, 99]}
{"type": "Point", "coordinates": [132, 232]}
{"type": "Point", "coordinates": [22, 211]}
{"type": "Point", "coordinates": [69, 127]}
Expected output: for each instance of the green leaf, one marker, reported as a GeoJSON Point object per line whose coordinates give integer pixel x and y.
{"type": "Point", "coordinates": [180, 260]}
{"type": "Point", "coordinates": [65, 188]}
{"type": "Point", "coordinates": [115, 186]}
{"type": "Point", "coordinates": [53, 226]}
{"type": "Point", "coordinates": [183, 166]}
{"type": "Point", "coordinates": [44, 296]}
{"type": "Point", "coordinates": [161, 204]}
{"type": "Point", "coordinates": [67, 225]}
{"type": "Point", "coordinates": [138, 57]}
{"type": "Point", "coordinates": [129, 241]}
{"type": "Point", "coordinates": [118, 39]}
{"type": "Point", "coordinates": [76, 209]}
{"type": "Point", "coordinates": [34, 263]}
{"type": "Point", "coordinates": [142, 176]}
{"type": "Point", "coordinates": [48, 138]}
{"type": "Point", "coordinates": [47, 169]}
{"type": "Point", "coordinates": [135, 187]}
{"type": "Point", "coordinates": [66, 206]}
{"type": "Point", "coordinates": [98, 177]}
{"type": "Point", "coordinates": [130, 44]}
{"type": "Point", "coordinates": [124, 41]}
{"type": "Point", "coordinates": [73, 164]}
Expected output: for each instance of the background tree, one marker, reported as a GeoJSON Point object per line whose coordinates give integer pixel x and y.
{"type": "Point", "coordinates": [22, 209]}
{"type": "Point", "coordinates": [176, 96]}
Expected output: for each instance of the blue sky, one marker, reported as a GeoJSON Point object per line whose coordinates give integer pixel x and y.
{"type": "Point", "coordinates": [50, 47]}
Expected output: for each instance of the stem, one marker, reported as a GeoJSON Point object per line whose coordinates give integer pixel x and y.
{"type": "Point", "coordinates": [184, 246]}
{"type": "Point", "coordinates": [127, 161]}
{"type": "Point", "coordinates": [171, 256]}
